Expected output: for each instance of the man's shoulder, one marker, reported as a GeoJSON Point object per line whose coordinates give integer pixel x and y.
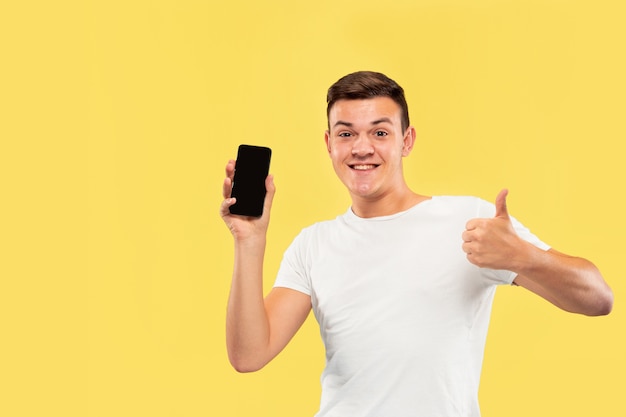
{"type": "Point", "coordinates": [458, 201]}
{"type": "Point", "coordinates": [322, 226]}
{"type": "Point", "coordinates": [460, 205]}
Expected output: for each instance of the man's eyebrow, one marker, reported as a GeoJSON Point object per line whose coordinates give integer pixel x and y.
{"type": "Point", "coordinates": [342, 123]}
{"type": "Point", "coordinates": [375, 122]}
{"type": "Point", "coordinates": [381, 120]}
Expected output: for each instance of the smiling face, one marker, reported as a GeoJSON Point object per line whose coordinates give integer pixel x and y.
{"type": "Point", "coordinates": [366, 144]}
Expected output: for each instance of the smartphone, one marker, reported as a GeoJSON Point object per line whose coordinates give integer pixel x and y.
{"type": "Point", "coordinates": [251, 169]}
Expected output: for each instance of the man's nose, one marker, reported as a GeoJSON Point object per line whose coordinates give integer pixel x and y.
{"type": "Point", "coordinates": [362, 146]}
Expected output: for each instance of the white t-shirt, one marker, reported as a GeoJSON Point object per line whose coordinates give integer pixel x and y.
{"type": "Point", "coordinates": [402, 313]}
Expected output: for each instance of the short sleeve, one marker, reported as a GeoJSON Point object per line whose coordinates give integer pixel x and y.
{"type": "Point", "coordinates": [294, 268]}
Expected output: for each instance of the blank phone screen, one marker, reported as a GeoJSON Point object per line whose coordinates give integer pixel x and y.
{"type": "Point", "coordinates": [251, 169]}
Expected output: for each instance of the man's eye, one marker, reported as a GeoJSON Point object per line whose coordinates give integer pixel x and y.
{"type": "Point", "coordinates": [381, 133]}
{"type": "Point", "coordinates": [344, 135]}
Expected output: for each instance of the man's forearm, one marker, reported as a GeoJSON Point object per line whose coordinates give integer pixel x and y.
{"type": "Point", "coordinates": [247, 327]}
{"type": "Point", "coordinates": [571, 283]}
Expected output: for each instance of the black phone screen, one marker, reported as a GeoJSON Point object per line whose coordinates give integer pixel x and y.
{"type": "Point", "coordinates": [251, 169]}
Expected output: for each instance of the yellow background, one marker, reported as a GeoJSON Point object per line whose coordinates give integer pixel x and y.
{"type": "Point", "coordinates": [116, 121]}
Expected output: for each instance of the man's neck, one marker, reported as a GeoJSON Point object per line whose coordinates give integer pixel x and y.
{"type": "Point", "coordinates": [386, 205]}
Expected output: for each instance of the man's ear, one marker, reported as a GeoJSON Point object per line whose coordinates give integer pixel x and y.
{"type": "Point", "coordinates": [327, 140]}
{"type": "Point", "coordinates": [408, 141]}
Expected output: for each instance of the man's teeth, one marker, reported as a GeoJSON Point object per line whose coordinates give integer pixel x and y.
{"type": "Point", "coordinates": [363, 167]}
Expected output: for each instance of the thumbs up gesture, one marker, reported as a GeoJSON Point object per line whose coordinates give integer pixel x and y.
{"type": "Point", "coordinates": [493, 243]}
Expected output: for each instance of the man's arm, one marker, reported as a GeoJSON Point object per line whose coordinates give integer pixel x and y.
{"type": "Point", "coordinates": [571, 283]}
{"type": "Point", "coordinates": [257, 329]}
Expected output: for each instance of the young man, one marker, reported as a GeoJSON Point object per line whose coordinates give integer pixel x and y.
{"type": "Point", "coordinates": [401, 284]}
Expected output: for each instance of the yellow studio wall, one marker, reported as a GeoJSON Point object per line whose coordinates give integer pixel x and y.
{"type": "Point", "coordinates": [116, 121]}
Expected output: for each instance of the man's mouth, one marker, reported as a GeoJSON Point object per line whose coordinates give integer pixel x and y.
{"type": "Point", "coordinates": [363, 167]}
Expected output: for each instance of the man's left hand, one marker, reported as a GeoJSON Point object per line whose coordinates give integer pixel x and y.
{"type": "Point", "coordinates": [493, 242]}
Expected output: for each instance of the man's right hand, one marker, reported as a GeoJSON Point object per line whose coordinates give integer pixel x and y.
{"type": "Point", "coordinates": [243, 227]}
{"type": "Point", "coordinates": [256, 328]}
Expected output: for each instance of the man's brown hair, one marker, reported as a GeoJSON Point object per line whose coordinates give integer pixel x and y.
{"type": "Point", "coordinates": [368, 84]}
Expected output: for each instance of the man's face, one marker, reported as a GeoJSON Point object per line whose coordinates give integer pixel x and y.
{"type": "Point", "coordinates": [366, 144]}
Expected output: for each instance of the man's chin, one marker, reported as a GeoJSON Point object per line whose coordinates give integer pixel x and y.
{"type": "Point", "coordinates": [363, 192]}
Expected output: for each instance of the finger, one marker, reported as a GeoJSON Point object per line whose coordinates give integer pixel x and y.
{"type": "Point", "coordinates": [467, 236]}
{"type": "Point", "coordinates": [270, 188]}
{"type": "Point", "coordinates": [501, 208]}
{"type": "Point", "coordinates": [466, 248]}
{"type": "Point", "coordinates": [472, 259]}
{"type": "Point", "coordinates": [227, 187]}
{"type": "Point", "coordinates": [471, 224]}
{"type": "Point", "coordinates": [224, 207]}
{"type": "Point", "coordinates": [230, 169]}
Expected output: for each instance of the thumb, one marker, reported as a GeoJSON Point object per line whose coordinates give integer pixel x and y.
{"type": "Point", "coordinates": [501, 209]}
